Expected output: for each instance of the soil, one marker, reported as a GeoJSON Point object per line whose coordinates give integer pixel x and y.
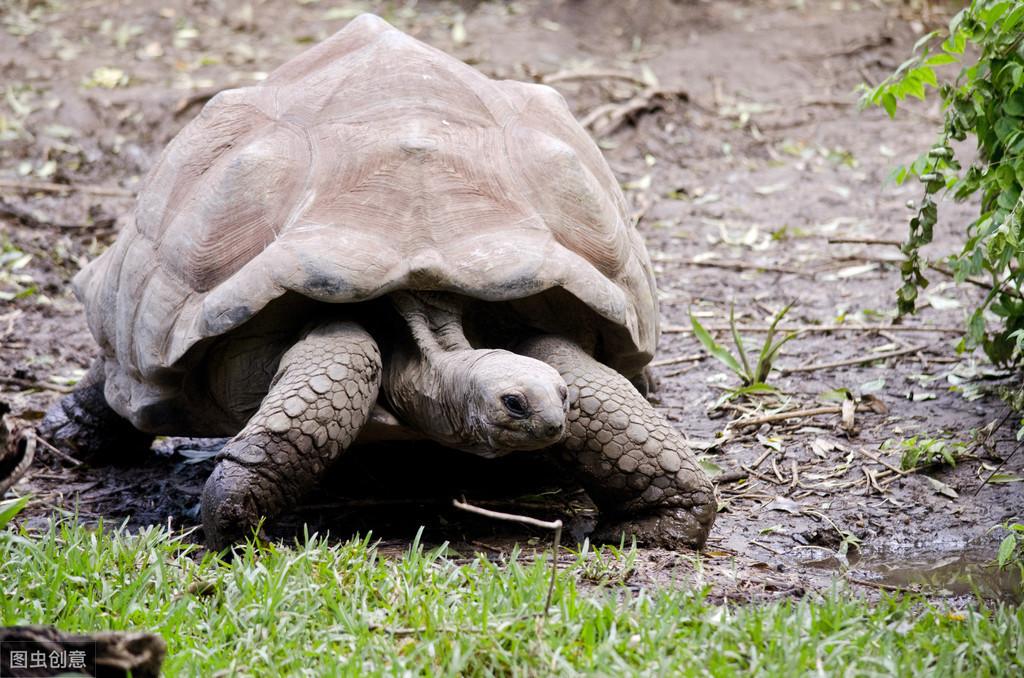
{"type": "Point", "coordinates": [744, 166]}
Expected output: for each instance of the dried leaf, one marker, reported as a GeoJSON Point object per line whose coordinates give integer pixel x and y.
{"type": "Point", "coordinates": [849, 408]}
{"type": "Point", "coordinates": [942, 488]}
{"type": "Point", "coordinates": [853, 271]}
{"type": "Point", "coordinates": [784, 504]}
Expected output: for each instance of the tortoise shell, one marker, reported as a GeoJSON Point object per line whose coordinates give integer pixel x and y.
{"type": "Point", "coordinates": [369, 163]}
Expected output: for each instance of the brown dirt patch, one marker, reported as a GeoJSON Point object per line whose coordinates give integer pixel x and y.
{"type": "Point", "coordinates": [745, 165]}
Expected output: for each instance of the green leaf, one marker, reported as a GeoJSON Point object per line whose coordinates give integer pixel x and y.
{"type": "Point", "coordinates": [941, 59]}
{"type": "Point", "coordinates": [739, 344]}
{"type": "Point", "coordinates": [1006, 550]}
{"type": "Point", "coordinates": [1014, 105]}
{"type": "Point", "coordinates": [889, 104]}
{"type": "Point", "coordinates": [9, 509]}
{"type": "Point", "coordinates": [1004, 478]}
{"type": "Point", "coordinates": [714, 348]}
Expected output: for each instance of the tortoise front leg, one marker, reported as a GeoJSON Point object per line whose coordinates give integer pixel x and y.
{"type": "Point", "coordinates": [632, 462]}
{"type": "Point", "coordinates": [323, 392]}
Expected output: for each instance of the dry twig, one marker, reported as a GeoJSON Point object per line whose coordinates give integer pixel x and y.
{"type": "Point", "coordinates": [28, 383]}
{"type": "Point", "coordinates": [555, 525]}
{"type": "Point", "coordinates": [593, 74]}
{"type": "Point", "coordinates": [50, 187]}
{"type": "Point", "coordinates": [853, 361]}
{"type": "Point", "coordinates": [806, 329]}
{"type": "Point", "coordinates": [783, 416]}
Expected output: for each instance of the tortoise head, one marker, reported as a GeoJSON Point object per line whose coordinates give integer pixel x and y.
{"type": "Point", "coordinates": [513, 402]}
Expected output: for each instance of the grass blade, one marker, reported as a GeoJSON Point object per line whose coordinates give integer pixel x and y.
{"type": "Point", "coordinates": [736, 339]}
{"type": "Point", "coordinates": [770, 349]}
{"type": "Point", "coordinates": [9, 509]}
{"type": "Point", "coordinates": [712, 347]}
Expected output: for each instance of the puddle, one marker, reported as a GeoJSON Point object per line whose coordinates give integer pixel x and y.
{"type": "Point", "coordinates": [954, 572]}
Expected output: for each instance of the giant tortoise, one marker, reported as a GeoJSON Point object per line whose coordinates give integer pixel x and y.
{"type": "Point", "coordinates": [380, 242]}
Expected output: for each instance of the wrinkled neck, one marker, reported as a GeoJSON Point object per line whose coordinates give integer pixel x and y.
{"type": "Point", "coordinates": [427, 381]}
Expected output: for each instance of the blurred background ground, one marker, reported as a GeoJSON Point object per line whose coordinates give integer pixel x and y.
{"type": "Point", "coordinates": [734, 130]}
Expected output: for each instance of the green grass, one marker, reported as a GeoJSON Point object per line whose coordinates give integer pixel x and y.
{"type": "Point", "coordinates": [320, 609]}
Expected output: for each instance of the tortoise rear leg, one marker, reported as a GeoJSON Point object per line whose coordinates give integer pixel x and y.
{"type": "Point", "coordinates": [631, 461]}
{"type": "Point", "coordinates": [84, 425]}
{"type": "Point", "coordinates": [323, 392]}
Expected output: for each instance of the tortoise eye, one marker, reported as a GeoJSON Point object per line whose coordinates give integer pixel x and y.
{"type": "Point", "coordinates": [516, 406]}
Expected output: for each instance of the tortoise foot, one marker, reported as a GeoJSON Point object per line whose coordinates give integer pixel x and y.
{"type": "Point", "coordinates": [323, 392]}
{"type": "Point", "coordinates": [629, 458]}
{"type": "Point", "coordinates": [83, 424]}
{"type": "Point", "coordinates": [668, 528]}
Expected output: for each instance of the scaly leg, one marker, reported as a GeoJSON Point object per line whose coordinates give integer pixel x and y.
{"type": "Point", "coordinates": [634, 465]}
{"type": "Point", "coordinates": [323, 392]}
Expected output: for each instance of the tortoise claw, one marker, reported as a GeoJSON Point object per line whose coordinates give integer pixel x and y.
{"type": "Point", "coordinates": [668, 528]}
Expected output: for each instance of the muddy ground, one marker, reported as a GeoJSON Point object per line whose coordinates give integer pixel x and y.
{"type": "Point", "coordinates": [734, 130]}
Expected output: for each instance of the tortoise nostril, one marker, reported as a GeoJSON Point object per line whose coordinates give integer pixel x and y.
{"type": "Point", "coordinates": [554, 429]}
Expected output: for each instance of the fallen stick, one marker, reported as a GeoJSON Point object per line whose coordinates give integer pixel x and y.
{"type": "Point", "coordinates": [729, 477]}
{"type": "Point", "coordinates": [555, 525]}
{"type": "Point", "coordinates": [49, 187]}
{"type": "Point", "coordinates": [63, 455]}
{"type": "Point", "coordinates": [881, 461]}
{"type": "Point", "coordinates": [17, 449]}
{"type": "Point", "coordinates": [617, 113]}
{"type": "Point", "coordinates": [853, 361]}
{"type": "Point", "coordinates": [678, 360]}
{"type": "Point", "coordinates": [27, 383]}
{"type": "Point", "coordinates": [593, 74]}
{"type": "Point", "coordinates": [803, 329]}
{"type": "Point", "coordinates": [783, 416]}
{"type": "Point", "coordinates": [852, 240]}
{"type": "Point", "coordinates": [736, 265]}
{"type": "Point", "coordinates": [30, 220]}
{"type": "Point", "coordinates": [938, 268]}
